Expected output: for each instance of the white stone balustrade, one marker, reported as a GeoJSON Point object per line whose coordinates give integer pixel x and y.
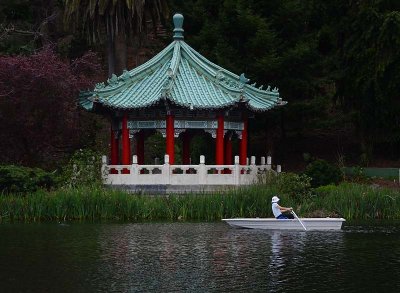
{"type": "Point", "coordinates": [200, 174]}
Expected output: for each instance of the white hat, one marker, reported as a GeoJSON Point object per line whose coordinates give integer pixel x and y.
{"type": "Point", "coordinates": [275, 199]}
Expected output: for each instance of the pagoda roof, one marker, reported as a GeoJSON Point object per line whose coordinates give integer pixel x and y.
{"type": "Point", "coordinates": [182, 76]}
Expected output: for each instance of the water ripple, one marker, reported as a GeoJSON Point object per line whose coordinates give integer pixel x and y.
{"type": "Point", "coordinates": [197, 257]}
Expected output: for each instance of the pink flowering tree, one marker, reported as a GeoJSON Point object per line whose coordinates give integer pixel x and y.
{"type": "Point", "coordinates": [40, 122]}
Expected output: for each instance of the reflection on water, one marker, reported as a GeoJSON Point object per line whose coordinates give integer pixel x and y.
{"type": "Point", "coordinates": [279, 264]}
{"type": "Point", "coordinates": [196, 257]}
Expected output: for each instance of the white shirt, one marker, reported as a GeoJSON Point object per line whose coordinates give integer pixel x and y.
{"type": "Point", "coordinates": [276, 210]}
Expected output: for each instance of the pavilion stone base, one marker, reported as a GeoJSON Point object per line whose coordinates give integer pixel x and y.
{"type": "Point", "coordinates": [160, 189]}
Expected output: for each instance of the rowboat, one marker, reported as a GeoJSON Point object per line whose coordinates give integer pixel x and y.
{"type": "Point", "coordinates": [286, 224]}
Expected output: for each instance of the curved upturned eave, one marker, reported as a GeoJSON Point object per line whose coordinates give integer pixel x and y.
{"type": "Point", "coordinates": [84, 100]}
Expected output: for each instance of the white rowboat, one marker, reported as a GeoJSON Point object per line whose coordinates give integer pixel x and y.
{"type": "Point", "coordinates": [287, 224]}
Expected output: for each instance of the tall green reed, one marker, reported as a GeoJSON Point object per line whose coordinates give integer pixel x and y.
{"type": "Point", "coordinates": [96, 203]}
{"type": "Point", "coordinates": [356, 201]}
{"type": "Point", "coordinates": [351, 201]}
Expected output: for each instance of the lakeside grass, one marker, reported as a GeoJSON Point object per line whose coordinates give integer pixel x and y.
{"type": "Point", "coordinates": [351, 201]}
{"type": "Point", "coordinates": [358, 202]}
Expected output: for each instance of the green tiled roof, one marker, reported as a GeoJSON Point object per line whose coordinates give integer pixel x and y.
{"type": "Point", "coordinates": [182, 76]}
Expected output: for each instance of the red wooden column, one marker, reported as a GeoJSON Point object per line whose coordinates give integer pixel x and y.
{"type": "Point", "coordinates": [243, 143]}
{"type": "Point", "coordinates": [140, 147]}
{"type": "Point", "coordinates": [228, 150]}
{"type": "Point", "coordinates": [126, 144]}
{"type": "Point", "coordinates": [219, 144]}
{"type": "Point", "coordinates": [114, 146]}
{"type": "Point", "coordinates": [186, 148]}
{"type": "Point", "coordinates": [170, 143]}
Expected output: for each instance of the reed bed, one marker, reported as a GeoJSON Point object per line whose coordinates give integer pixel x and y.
{"type": "Point", "coordinates": [98, 203]}
{"type": "Point", "coordinates": [358, 202]}
{"type": "Point", "coordinates": [350, 201]}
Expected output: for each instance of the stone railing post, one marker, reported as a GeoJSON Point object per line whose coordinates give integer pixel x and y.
{"type": "Point", "coordinates": [278, 169]}
{"type": "Point", "coordinates": [104, 171]}
{"type": "Point", "coordinates": [166, 170]}
{"type": "Point", "coordinates": [253, 167]}
{"type": "Point", "coordinates": [269, 160]}
{"type": "Point", "coordinates": [202, 170]}
{"type": "Point", "coordinates": [134, 168]}
{"type": "Point", "coordinates": [236, 170]}
{"type": "Point", "coordinates": [262, 165]}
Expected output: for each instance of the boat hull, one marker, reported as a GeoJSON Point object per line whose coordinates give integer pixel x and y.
{"type": "Point", "coordinates": [286, 224]}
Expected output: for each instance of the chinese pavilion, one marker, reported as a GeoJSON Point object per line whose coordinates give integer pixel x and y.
{"type": "Point", "coordinates": [178, 93]}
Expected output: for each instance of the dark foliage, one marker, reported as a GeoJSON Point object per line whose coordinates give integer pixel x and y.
{"type": "Point", "coordinates": [16, 179]}
{"type": "Point", "coordinates": [368, 67]}
{"type": "Point", "coordinates": [322, 173]}
{"type": "Point", "coordinates": [335, 62]}
{"type": "Point", "coordinates": [40, 121]}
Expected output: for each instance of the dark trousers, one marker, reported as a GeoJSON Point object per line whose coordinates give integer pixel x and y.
{"type": "Point", "coordinates": [285, 216]}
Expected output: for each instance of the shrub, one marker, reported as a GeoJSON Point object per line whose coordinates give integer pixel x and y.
{"type": "Point", "coordinates": [325, 190]}
{"type": "Point", "coordinates": [322, 173]}
{"type": "Point", "coordinates": [18, 179]}
{"type": "Point", "coordinates": [291, 184]}
{"type": "Point", "coordinates": [358, 175]}
{"type": "Point", "coordinates": [84, 168]}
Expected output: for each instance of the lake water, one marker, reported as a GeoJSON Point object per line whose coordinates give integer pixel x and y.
{"type": "Point", "coordinates": [196, 257]}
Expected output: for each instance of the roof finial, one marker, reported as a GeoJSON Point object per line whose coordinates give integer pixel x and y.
{"type": "Point", "coordinates": [178, 30]}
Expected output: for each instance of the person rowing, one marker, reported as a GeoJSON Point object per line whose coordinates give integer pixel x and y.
{"type": "Point", "coordinates": [278, 210]}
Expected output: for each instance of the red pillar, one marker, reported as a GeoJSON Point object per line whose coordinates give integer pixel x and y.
{"type": "Point", "coordinates": [228, 150]}
{"type": "Point", "coordinates": [126, 145]}
{"type": "Point", "coordinates": [114, 148]}
{"type": "Point", "coordinates": [186, 148]}
{"type": "Point", "coordinates": [114, 145]}
{"type": "Point", "coordinates": [228, 153]}
{"type": "Point", "coordinates": [219, 144]}
{"type": "Point", "coordinates": [243, 143]}
{"type": "Point", "coordinates": [170, 143]}
{"type": "Point", "coordinates": [140, 147]}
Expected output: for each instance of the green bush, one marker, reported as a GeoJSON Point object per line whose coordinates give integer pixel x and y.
{"type": "Point", "coordinates": [323, 173]}
{"type": "Point", "coordinates": [83, 169]}
{"type": "Point", "coordinates": [18, 179]}
{"type": "Point", "coordinates": [358, 175]}
{"type": "Point", "coordinates": [325, 190]}
{"type": "Point", "coordinates": [290, 184]}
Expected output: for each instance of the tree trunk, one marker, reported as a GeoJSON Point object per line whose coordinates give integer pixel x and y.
{"type": "Point", "coordinates": [281, 150]}
{"type": "Point", "coordinates": [110, 56]}
{"type": "Point", "coordinates": [367, 147]}
{"type": "Point", "coordinates": [120, 48]}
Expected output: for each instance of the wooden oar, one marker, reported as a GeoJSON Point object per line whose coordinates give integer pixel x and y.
{"type": "Point", "coordinates": [294, 214]}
